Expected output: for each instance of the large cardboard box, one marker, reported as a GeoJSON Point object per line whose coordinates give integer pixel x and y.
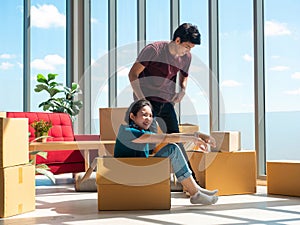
{"type": "Point", "coordinates": [188, 128]}
{"type": "Point", "coordinates": [227, 141]}
{"type": "Point", "coordinates": [230, 172]}
{"type": "Point", "coordinates": [110, 121]}
{"type": "Point", "coordinates": [13, 141]}
{"type": "Point", "coordinates": [283, 177]}
{"type": "Point", "coordinates": [17, 190]}
{"type": "Point", "coordinates": [133, 183]}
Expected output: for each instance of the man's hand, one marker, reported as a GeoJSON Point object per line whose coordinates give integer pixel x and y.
{"type": "Point", "coordinates": [201, 144]}
{"type": "Point", "coordinates": [207, 138]}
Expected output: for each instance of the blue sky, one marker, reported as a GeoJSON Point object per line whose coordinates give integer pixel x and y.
{"type": "Point", "coordinates": [282, 49]}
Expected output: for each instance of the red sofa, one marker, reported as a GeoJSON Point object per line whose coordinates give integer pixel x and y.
{"type": "Point", "coordinates": [62, 130]}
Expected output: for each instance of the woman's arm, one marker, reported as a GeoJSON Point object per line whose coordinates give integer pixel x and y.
{"type": "Point", "coordinates": [169, 138]}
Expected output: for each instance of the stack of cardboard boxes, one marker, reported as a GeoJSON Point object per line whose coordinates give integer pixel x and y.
{"type": "Point", "coordinates": [226, 168]}
{"type": "Point", "coordinates": [17, 175]}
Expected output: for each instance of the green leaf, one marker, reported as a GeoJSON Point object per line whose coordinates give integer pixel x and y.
{"type": "Point", "coordinates": [43, 154]}
{"type": "Point", "coordinates": [46, 173]}
{"type": "Point", "coordinates": [42, 79]}
{"type": "Point", "coordinates": [54, 91]}
{"type": "Point", "coordinates": [51, 76]}
{"type": "Point", "coordinates": [41, 87]}
{"type": "Point", "coordinates": [42, 166]}
{"type": "Point", "coordinates": [75, 86]}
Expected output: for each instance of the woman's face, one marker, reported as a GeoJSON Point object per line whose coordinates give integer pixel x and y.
{"type": "Point", "coordinates": [143, 117]}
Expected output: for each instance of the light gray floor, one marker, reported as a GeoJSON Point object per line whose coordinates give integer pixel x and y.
{"type": "Point", "coordinates": [60, 204]}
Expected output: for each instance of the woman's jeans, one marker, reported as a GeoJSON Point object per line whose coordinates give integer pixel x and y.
{"type": "Point", "coordinates": [178, 162]}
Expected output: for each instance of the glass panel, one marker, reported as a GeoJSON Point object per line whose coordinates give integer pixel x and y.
{"type": "Point", "coordinates": [48, 44]}
{"type": "Point", "coordinates": [99, 58]}
{"type": "Point", "coordinates": [236, 69]}
{"type": "Point", "coordinates": [157, 20]}
{"type": "Point", "coordinates": [194, 107]}
{"type": "Point", "coordinates": [11, 55]}
{"type": "Point", "coordinates": [127, 48]}
{"type": "Point", "coordinates": [282, 56]}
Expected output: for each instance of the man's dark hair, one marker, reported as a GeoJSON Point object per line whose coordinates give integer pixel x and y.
{"type": "Point", "coordinates": [188, 33]}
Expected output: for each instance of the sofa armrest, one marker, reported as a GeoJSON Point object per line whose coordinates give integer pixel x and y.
{"type": "Point", "coordinates": [86, 137]}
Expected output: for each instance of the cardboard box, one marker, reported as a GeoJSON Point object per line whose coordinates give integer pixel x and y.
{"type": "Point", "coordinates": [283, 177]}
{"type": "Point", "coordinates": [17, 190]}
{"type": "Point", "coordinates": [188, 128]}
{"type": "Point", "coordinates": [227, 141]}
{"type": "Point", "coordinates": [230, 172]}
{"type": "Point", "coordinates": [13, 141]}
{"type": "Point", "coordinates": [133, 183]}
{"type": "Point", "coordinates": [110, 121]}
{"type": "Point", "coordinates": [3, 114]}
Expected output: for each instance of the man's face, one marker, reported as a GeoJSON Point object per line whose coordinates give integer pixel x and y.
{"type": "Point", "coordinates": [183, 47]}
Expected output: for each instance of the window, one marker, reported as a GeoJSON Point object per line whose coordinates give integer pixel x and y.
{"type": "Point", "coordinates": [126, 50]}
{"type": "Point", "coordinates": [282, 56]}
{"type": "Point", "coordinates": [194, 107]}
{"type": "Point", "coordinates": [157, 20]}
{"type": "Point", "coordinates": [48, 44]}
{"type": "Point", "coordinates": [11, 55]}
{"type": "Point", "coordinates": [99, 59]}
{"type": "Point", "coordinates": [236, 69]}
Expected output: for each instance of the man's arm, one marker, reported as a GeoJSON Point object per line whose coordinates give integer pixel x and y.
{"type": "Point", "coordinates": [133, 75]}
{"type": "Point", "coordinates": [182, 84]}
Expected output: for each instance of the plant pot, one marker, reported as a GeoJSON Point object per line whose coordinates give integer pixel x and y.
{"type": "Point", "coordinates": [42, 136]}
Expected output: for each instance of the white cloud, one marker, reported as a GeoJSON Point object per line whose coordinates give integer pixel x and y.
{"type": "Point", "coordinates": [273, 28]}
{"type": "Point", "coordinates": [6, 66]}
{"type": "Point", "coordinates": [7, 56]}
{"type": "Point", "coordinates": [296, 75]}
{"type": "Point", "coordinates": [279, 68]}
{"type": "Point", "coordinates": [230, 83]}
{"type": "Point", "coordinates": [45, 16]}
{"type": "Point", "coordinates": [293, 92]}
{"type": "Point", "coordinates": [48, 63]}
{"type": "Point", "coordinates": [247, 57]}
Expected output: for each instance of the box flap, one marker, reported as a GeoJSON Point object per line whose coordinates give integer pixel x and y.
{"type": "Point", "coordinates": [132, 171]}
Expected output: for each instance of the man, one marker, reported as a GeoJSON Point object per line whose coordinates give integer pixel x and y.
{"type": "Point", "coordinates": [154, 74]}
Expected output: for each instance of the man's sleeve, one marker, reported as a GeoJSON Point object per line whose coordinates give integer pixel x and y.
{"type": "Point", "coordinates": [147, 55]}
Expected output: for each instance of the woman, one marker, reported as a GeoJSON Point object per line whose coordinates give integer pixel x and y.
{"type": "Point", "coordinates": [139, 118]}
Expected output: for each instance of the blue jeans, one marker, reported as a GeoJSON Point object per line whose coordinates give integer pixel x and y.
{"type": "Point", "coordinates": [178, 162]}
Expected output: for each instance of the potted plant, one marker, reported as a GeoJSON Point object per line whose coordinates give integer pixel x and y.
{"type": "Point", "coordinates": [41, 168]}
{"type": "Point", "coordinates": [66, 102]}
{"type": "Point", "coordinates": [41, 128]}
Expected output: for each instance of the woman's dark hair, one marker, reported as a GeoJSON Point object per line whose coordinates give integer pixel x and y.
{"type": "Point", "coordinates": [135, 107]}
{"type": "Point", "coordinates": [188, 33]}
